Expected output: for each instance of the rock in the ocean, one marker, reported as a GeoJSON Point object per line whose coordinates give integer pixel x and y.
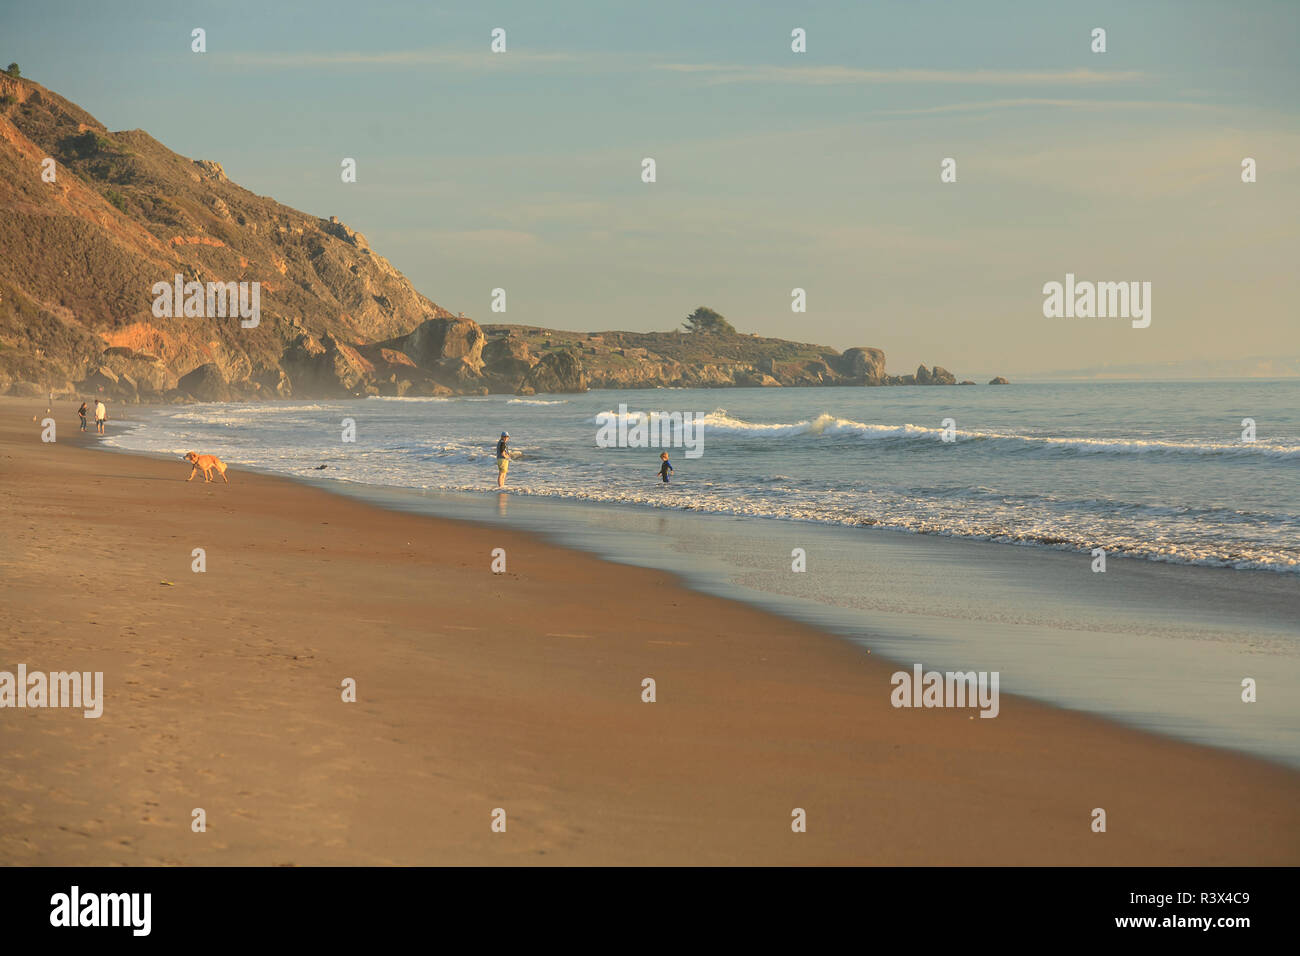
{"type": "Point", "coordinates": [863, 363]}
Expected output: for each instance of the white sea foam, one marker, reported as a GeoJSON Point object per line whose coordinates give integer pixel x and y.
{"type": "Point", "coordinates": [719, 422]}
{"type": "Point", "coordinates": [219, 414]}
{"type": "Point", "coordinates": [1006, 485]}
{"type": "Point", "coordinates": [415, 399]}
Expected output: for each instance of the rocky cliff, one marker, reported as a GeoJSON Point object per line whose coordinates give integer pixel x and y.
{"type": "Point", "coordinates": [79, 256]}
{"type": "Point", "coordinates": [689, 360]}
{"type": "Point", "coordinates": [93, 223]}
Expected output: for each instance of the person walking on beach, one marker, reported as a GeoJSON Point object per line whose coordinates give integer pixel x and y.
{"type": "Point", "coordinates": [101, 415]}
{"type": "Point", "coordinates": [665, 466]}
{"type": "Point", "coordinates": [503, 459]}
{"type": "Point", "coordinates": [82, 412]}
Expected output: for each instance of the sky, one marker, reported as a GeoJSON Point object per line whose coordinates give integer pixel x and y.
{"type": "Point", "coordinates": [775, 170]}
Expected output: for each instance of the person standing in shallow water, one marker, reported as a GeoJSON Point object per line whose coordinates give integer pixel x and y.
{"type": "Point", "coordinates": [665, 466]}
{"type": "Point", "coordinates": [82, 412]}
{"type": "Point", "coordinates": [503, 459]}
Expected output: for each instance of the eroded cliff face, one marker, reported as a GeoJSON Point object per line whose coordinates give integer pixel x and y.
{"type": "Point", "coordinates": [82, 250]}
{"type": "Point", "coordinates": [80, 255]}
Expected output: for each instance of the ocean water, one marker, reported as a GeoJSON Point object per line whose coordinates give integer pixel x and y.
{"type": "Point", "coordinates": [970, 554]}
{"type": "Point", "coordinates": [1153, 471]}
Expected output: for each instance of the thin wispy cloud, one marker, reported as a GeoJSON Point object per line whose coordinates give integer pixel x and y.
{"type": "Point", "coordinates": [1044, 102]}
{"type": "Point", "coordinates": [490, 238]}
{"type": "Point", "coordinates": [830, 75]}
{"type": "Point", "coordinates": [457, 59]}
{"type": "Point", "coordinates": [712, 73]}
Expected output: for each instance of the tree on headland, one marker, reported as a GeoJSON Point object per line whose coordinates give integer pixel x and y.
{"type": "Point", "coordinates": [13, 71]}
{"type": "Point", "coordinates": [705, 319]}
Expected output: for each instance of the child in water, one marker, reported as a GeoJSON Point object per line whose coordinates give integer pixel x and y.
{"type": "Point", "coordinates": [665, 467]}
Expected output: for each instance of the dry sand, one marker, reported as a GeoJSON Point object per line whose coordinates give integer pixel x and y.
{"type": "Point", "coordinates": [520, 691]}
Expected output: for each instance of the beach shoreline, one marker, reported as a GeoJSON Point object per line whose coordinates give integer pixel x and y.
{"type": "Point", "coordinates": [1159, 645]}
{"type": "Point", "coordinates": [519, 691]}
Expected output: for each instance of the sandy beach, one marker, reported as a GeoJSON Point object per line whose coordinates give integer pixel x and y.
{"type": "Point", "coordinates": [519, 691]}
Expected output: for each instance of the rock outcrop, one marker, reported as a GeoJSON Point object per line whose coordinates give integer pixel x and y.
{"type": "Point", "coordinates": [755, 379]}
{"type": "Point", "coordinates": [206, 383]}
{"type": "Point", "coordinates": [935, 376]}
{"type": "Point", "coordinates": [147, 371]}
{"type": "Point", "coordinates": [507, 361]}
{"type": "Point", "coordinates": [438, 340]}
{"type": "Point", "coordinates": [612, 359]}
{"type": "Point", "coordinates": [556, 372]}
{"type": "Point", "coordinates": [326, 367]}
{"type": "Point", "coordinates": [451, 350]}
{"type": "Point", "coordinates": [865, 364]}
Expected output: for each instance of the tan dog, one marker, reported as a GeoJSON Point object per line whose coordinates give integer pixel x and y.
{"type": "Point", "coordinates": [206, 464]}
